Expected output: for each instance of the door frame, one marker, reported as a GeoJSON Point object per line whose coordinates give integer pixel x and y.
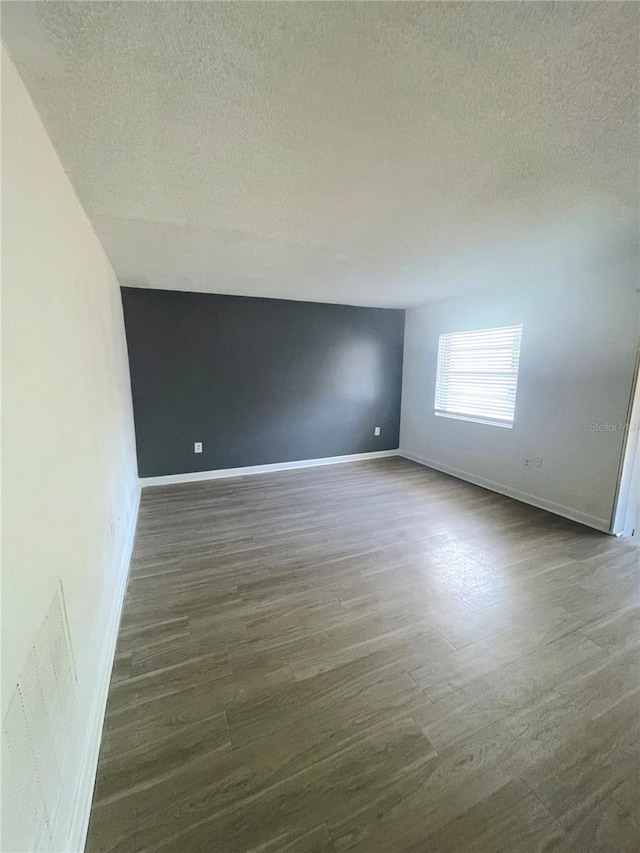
{"type": "Point", "coordinates": [625, 519]}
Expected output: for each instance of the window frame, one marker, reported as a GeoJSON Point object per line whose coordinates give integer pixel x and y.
{"type": "Point", "coordinates": [473, 417]}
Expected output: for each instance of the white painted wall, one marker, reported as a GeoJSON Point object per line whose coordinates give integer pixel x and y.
{"type": "Point", "coordinates": [573, 287]}
{"type": "Point", "coordinates": [68, 465]}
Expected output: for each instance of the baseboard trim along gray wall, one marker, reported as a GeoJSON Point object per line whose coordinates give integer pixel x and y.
{"type": "Point", "coordinates": [259, 381]}
{"type": "Point", "coordinates": [225, 473]}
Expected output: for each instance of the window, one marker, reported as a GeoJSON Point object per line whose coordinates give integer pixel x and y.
{"type": "Point", "coordinates": [478, 375]}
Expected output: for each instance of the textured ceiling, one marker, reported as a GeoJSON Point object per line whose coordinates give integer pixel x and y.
{"type": "Point", "coordinates": [368, 153]}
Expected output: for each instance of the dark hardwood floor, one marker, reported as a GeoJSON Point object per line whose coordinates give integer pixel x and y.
{"type": "Point", "coordinates": [370, 657]}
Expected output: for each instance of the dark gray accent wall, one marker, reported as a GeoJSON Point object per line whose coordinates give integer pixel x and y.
{"type": "Point", "coordinates": [258, 380]}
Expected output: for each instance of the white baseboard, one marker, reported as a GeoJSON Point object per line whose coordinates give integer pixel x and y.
{"type": "Point", "coordinates": [89, 763]}
{"type": "Point", "coordinates": [221, 473]}
{"type": "Point", "coordinates": [601, 524]}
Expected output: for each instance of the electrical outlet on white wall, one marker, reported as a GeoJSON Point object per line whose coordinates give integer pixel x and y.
{"type": "Point", "coordinates": [197, 447]}
{"type": "Point", "coordinates": [376, 431]}
{"type": "Point", "coordinates": [532, 462]}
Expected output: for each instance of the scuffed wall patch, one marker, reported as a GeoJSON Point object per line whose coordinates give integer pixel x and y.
{"type": "Point", "coordinates": [36, 736]}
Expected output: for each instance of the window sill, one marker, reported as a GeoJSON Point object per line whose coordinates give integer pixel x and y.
{"type": "Point", "coordinates": [474, 420]}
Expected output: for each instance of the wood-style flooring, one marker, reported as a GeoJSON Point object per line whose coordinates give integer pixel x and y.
{"type": "Point", "coordinates": [370, 657]}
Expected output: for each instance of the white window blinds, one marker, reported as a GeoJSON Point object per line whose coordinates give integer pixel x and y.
{"type": "Point", "coordinates": [478, 375]}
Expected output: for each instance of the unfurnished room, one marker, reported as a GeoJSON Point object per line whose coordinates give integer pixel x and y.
{"type": "Point", "coordinates": [320, 427]}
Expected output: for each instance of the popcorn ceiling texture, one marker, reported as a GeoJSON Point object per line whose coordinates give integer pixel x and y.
{"type": "Point", "coordinates": [369, 153]}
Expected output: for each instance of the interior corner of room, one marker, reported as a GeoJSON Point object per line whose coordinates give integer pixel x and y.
{"type": "Point", "coordinates": [166, 322]}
